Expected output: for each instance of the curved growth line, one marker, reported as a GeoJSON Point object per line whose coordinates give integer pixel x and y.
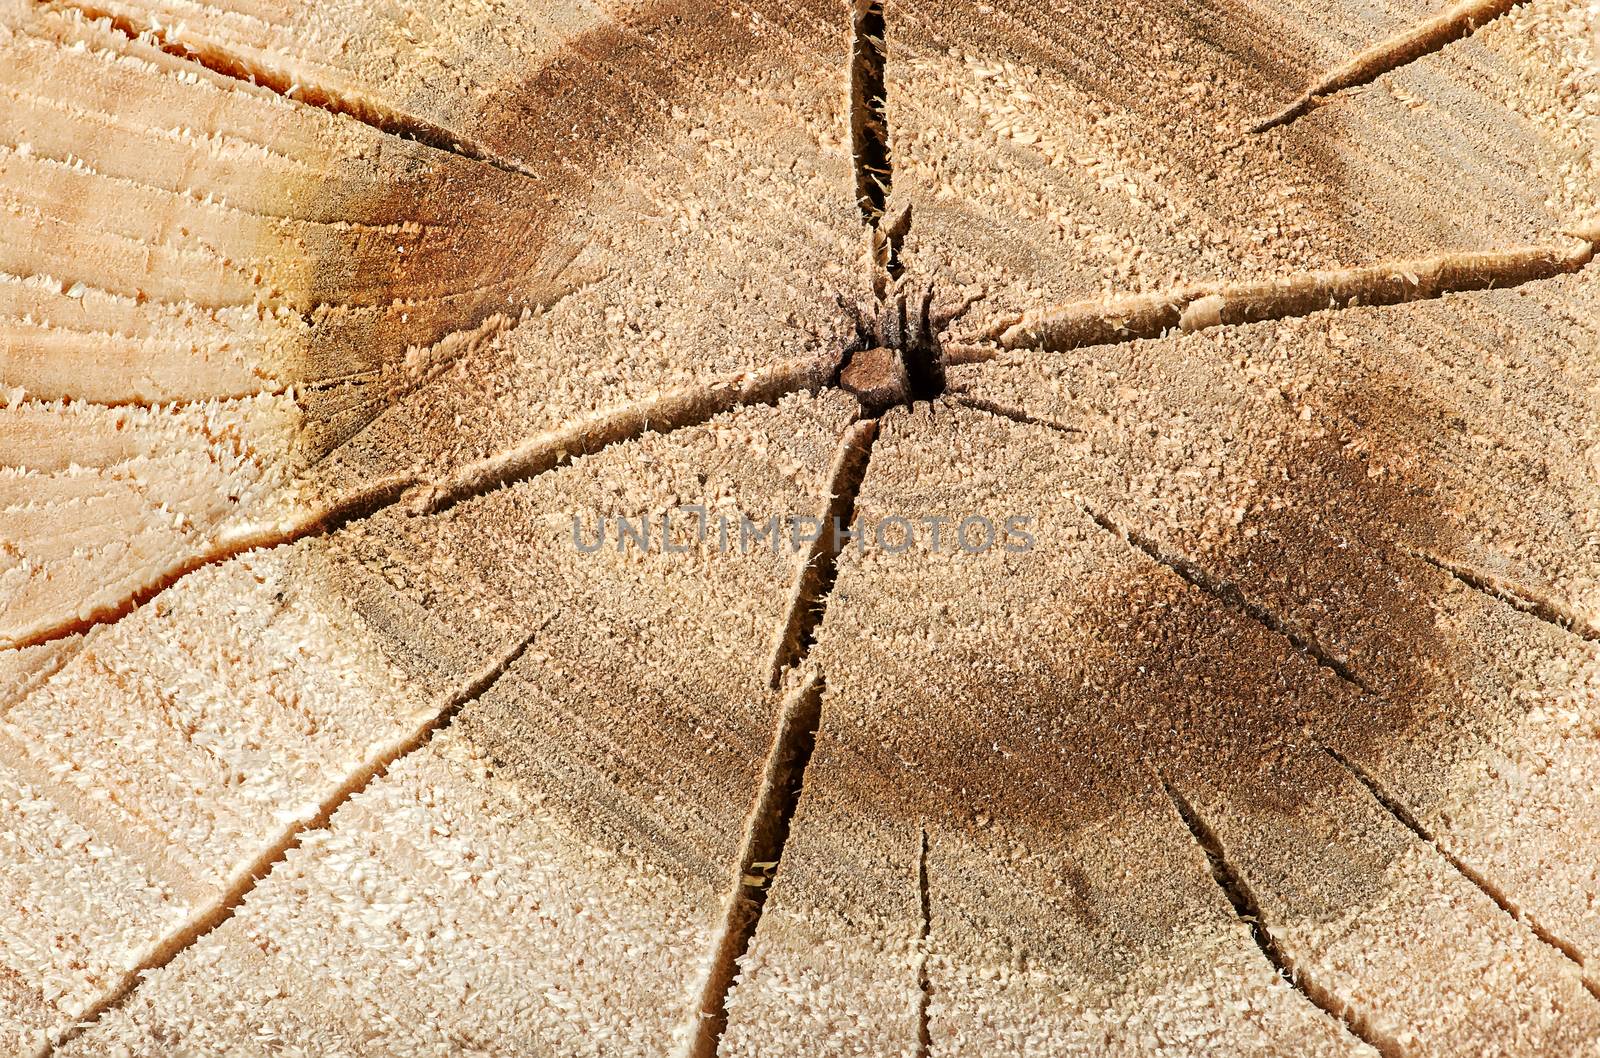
{"type": "Point", "coordinates": [1200, 307]}
{"type": "Point", "coordinates": [673, 410]}
{"type": "Point", "coordinates": [291, 390]}
{"type": "Point", "coordinates": [1425, 38]}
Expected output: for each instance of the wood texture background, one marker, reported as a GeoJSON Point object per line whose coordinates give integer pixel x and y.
{"type": "Point", "coordinates": [320, 324]}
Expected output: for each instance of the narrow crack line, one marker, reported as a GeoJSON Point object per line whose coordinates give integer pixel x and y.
{"type": "Point", "coordinates": [766, 833]}
{"type": "Point", "coordinates": [364, 377]}
{"type": "Point", "coordinates": [1550, 610]}
{"type": "Point", "coordinates": [814, 581]}
{"type": "Point", "coordinates": [426, 361]}
{"type": "Point", "coordinates": [676, 409]}
{"type": "Point", "coordinates": [1498, 895]}
{"type": "Point", "coordinates": [1425, 38]}
{"type": "Point", "coordinates": [1016, 415]}
{"type": "Point", "coordinates": [1247, 908]}
{"type": "Point", "coordinates": [956, 354]}
{"type": "Point", "coordinates": [924, 983]}
{"type": "Point", "coordinates": [1233, 597]}
{"type": "Point", "coordinates": [869, 128]}
{"type": "Point", "coordinates": [227, 904]}
{"type": "Point", "coordinates": [321, 521]}
{"type": "Point", "coordinates": [219, 61]}
{"type": "Point", "coordinates": [1194, 308]}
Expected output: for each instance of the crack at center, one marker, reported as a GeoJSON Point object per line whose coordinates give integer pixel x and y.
{"type": "Point", "coordinates": [896, 357]}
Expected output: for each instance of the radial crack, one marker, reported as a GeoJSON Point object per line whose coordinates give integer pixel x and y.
{"type": "Point", "coordinates": [869, 129]}
{"type": "Point", "coordinates": [766, 832]}
{"type": "Point", "coordinates": [1501, 899]}
{"type": "Point", "coordinates": [1194, 308]}
{"type": "Point", "coordinates": [1425, 38]}
{"type": "Point", "coordinates": [959, 353]}
{"type": "Point", "coordinates": [169, 40]}
{"type": "Point", "coordinates": [676, 409]}
{"type": "Point", "coordinates": [1550, 610]}
{"type": "Point", "coordinates": [1016, 415]}
{"type": "Point", "coordinates": [1232, 596]}
{"type": "Point", "coordinates": [224, 906]}
{"type": "Point", "coordinates": [814, 581]}
{"type": "Point", "coordinates": [1248, 909]}
{"type": "Point", "coordinates": [363, 503]}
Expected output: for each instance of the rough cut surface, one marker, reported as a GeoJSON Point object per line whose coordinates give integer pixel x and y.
{"type": "Point", "coordinates": [830, 528]}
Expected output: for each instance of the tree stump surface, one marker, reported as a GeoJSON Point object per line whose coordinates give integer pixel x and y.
{"type": "Point", "coordinates": [1115, 510]}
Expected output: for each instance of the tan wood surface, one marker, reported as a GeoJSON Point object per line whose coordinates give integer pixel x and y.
{"type": "Point", "coordinates": [329, 334]}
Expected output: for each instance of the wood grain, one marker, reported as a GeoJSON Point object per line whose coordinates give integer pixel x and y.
{"type": "Point", "coordinates": [342, 345]}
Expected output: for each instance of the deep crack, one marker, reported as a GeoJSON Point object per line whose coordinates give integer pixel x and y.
{"type": "Point", "coordinates": [1406, 818]}
{"type": "Point", "coordinates": [869, 128]}
{"type": "Point", "coordinates": [924, 983]}
{"type": "Point", "coordinates": [766, 833]}
{"type": "Point", "coordinates": [1138, 316]}
{"type": "Point", "coordinates": [1247, 908]}
{"type": "Point", "coordinates": [1405, 47]}
{"type": "Point", "coordinates": [219, 61]}
{"type": "Point", "coordinates": [676, 409]}
{"type": "Point", "coordinates": [815, 579]}
{"type": "Point", "coordinates": [895, 359]}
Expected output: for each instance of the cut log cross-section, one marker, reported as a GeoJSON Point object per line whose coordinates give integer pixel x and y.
{"type": "Point", "coordinates": [885, 527]}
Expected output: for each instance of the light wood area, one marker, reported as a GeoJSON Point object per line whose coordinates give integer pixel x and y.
{"type": "Point", "coordinates": [838, 528]}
